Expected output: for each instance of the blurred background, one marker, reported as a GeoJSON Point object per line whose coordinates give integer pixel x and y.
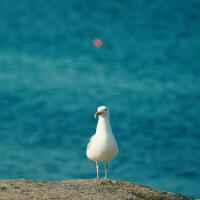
{"type": "Point", "coordinates": [52, 78]}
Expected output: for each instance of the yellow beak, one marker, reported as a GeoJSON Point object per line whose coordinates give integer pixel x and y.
{"type": "Point", "coordinates": [97, 114]}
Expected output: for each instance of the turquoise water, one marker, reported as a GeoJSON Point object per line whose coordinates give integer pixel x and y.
{"type": "Point", "coordinates": [147, 73]}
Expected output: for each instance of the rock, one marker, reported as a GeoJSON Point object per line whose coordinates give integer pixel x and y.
{"type": "Point", "coordinates": [81, 189]}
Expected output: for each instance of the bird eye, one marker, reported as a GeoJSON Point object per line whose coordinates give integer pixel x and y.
{"type": "Point", "coordinates": [105, 109]}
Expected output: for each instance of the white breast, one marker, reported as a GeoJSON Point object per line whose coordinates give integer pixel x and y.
{"type": "Point", "coordinates": [102, 146]}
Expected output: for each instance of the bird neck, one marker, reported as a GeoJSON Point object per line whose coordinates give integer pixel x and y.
{"type": "Point", "coordinates": [103, 126]}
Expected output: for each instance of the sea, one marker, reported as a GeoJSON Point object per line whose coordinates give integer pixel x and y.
{"type": "Point", "coordinates": [147, 72]}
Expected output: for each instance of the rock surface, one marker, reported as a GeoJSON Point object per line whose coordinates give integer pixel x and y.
{"type": "Point", "coordinates": [80, 189]}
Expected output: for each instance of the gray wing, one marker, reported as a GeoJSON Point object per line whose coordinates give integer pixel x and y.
{"type": "Point", "coordinates": [90, 142]}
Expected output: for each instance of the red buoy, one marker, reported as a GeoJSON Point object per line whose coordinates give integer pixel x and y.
{"type": "Point", "coordinates": [97, 43]}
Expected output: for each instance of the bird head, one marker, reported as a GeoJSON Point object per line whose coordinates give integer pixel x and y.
{"type": "Point", "coordinates": [102, 111]}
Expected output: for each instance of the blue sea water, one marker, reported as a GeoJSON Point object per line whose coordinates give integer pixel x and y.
{"type": "Point", "coordinates": [148, 73]}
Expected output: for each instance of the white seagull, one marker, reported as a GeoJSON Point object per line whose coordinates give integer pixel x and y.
{"type": "Point", "coordinates": [102, 145]}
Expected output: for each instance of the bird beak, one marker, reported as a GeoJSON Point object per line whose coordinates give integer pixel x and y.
{"type": "Point", "coordinates": [97, 114]}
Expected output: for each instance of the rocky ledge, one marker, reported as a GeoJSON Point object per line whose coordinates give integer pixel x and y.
{"type": "Point", "coordinates": [81, 189]}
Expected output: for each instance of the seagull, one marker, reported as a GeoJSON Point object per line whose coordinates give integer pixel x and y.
{"type": "Point", "coordinates": [102, 145]}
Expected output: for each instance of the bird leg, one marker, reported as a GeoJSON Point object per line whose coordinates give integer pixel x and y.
{"type": "Point", "coordinates": [106, 170]}
{"type": "Point", "coordinates": [97, 168]}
